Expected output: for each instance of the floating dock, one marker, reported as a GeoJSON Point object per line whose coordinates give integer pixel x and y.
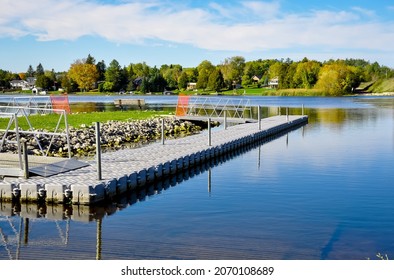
{"type": "Point", "coordinates": [129, 169]}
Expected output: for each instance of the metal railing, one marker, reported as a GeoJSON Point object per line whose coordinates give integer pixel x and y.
{"type": "Point", "coordinates": [216, 107]}
{"type": "Point", "coordinates": [40, 103]}
{"type": "Point", "coordinates": [13, 127]}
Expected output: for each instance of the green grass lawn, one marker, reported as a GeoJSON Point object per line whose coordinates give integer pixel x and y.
{"type": "Point", "coordinates": [50, 121]}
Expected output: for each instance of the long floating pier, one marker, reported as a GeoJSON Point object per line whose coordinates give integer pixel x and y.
{"type": "Point", "coordinates": [129, 169]}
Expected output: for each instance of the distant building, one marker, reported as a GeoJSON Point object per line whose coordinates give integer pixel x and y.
{"type": "Point", "coordinates": [274, 82]}
{"type": "Point", "coordinates": [19, 83]}
{"type": "Point", "coordinates": [191, 86]}
{"type": "Point", "coordinates": [256, 79]}
{"type": "Point", "coordinates": [27, 84]}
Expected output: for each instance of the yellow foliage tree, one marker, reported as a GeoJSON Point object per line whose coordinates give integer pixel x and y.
{"type": "Point", "coordinates": [336, 79]}
{"type": "Point", "coordinates": [84, 74]}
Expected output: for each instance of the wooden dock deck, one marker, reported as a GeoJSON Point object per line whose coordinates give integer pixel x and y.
{"type": "Point", "coordinates": [131, 168]}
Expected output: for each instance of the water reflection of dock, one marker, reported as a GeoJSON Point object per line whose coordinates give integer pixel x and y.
{"type": "Point", "coordinates": [19, 217]}
{"type": "Point", "coordinates": [134, 168]}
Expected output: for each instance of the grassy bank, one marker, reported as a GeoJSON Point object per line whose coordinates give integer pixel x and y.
{"type": "Point", "coordinates": [49, 121]}
{"type": "Point", "coordinates": [386, 85]}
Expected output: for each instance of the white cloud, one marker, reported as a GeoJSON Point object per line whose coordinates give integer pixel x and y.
{"type": "Point", "coordinates": [207, 28]}
{"type": "Point", "coordinates": [365, 12]}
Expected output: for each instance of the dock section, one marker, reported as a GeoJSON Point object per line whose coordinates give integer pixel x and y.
{"type": "Point", "coordinates": [128, 169]}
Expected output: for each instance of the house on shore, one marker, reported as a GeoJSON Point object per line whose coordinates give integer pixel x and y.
{"type": "Point", "coordinates": [27, 84]}
{"type": "Point", "coordinates": [274, 82]}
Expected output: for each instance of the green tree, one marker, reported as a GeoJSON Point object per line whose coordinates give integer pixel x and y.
{"type": "Point", "coordinates": [101, 68]}
{"type": "Point", "coordinates": [43, 81]}
{"type": "Point", "coordinates": [5, 78]}
{"type": "Point", "coordinates": [205, 68]}
{"type": "Point", "coordinates": [39, 70]}
{"type": "Point", "coordinates": [141, 69]}
{"type": "Point", "coordinates": [216, 81]}
{"type": "Point", "coordinates": [307, 74]}
{"type": "Point", "coordinates": [90, 60]}
{"type": "Point", "coordinates": [171, 74]}
{"type": "Point", "coordinates": [183, 80]}
{"type": "Point", "coordinates": [116, 76]}
{"type": "Point", "coordinates": [30, 72]}
{"type": "Point", "coordinates": [68, 84]}
{"type": "Point", "coordinates": [233, 70]}
{"type": "Point", "coordinates": [157, 83]}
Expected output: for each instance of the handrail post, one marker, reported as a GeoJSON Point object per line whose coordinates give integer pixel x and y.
{"type": "Point", "coordinates": [287, 114]}
{"type": "Point", "coordinates": [225, 120]}
{"type": "Point", "coordinates": [209, 131]}
{"type": "Point", "coordinates": [18, 140]}
{"type": "Point", "coordinates": [302, 110]}
{"type": "Point", "coordinates": [67, 133]}
{"type": "Point", "coordinates": [162, 131]}
{"type": "Point", "coordinates": [25, 161]}
{"type": "Point", "coordinates": [259, 116]}
{"type": "Point", "coordinates": [98, 151]}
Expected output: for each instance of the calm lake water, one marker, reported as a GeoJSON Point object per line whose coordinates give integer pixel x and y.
{"type": "Point", "coordinates": [323, 191]}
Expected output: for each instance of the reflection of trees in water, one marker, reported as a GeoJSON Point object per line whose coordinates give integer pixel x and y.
{"type": "Point", "coordinates": [338, 118]}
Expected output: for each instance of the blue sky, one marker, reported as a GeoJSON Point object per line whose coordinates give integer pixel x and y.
{"type": "Point", "coordinates": [55, 33]}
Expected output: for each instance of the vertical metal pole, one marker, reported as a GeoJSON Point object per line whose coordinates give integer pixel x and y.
{"type": "Point", "coordinates": [209, 131]}
{"type": "Point", "coordinates": [279, 112]}
{"type": "Point", "coordinates": [18, 140]}
{"type": "Point", "coordinates": [67, 133]}
{"type": "Point", "coordinates": [225, 120]}
{"type": "Point", "coordinates": [162, 131]}
{"type": "Point", "coordinates": [259, 116]}
{"type": "Point", "coordinates": [302, 110]}
{"type": "Point", "coordinates": [25, 161]}
{"type": "Point", "coordinates": [287, 113]}
{"type": "Point", "coordinates": [98, 151]}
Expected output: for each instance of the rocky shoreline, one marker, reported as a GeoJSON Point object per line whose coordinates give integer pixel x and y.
{"type": "Point", "coordinates": [114, 135]}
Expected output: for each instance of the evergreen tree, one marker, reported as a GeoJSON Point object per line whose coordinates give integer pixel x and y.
{"type": "Point", "coordinates": [90, 60]}
{"type": "Point", "coordinates": [216, 81]}
{"type": "Point", "coordinates": [101, 68]}
{"type": "Point", "coordinates": [30, 72]}
{"type": "Point", "coordinates": [116, 76]}
{"type": "Point", "coordinates": [39, 70]}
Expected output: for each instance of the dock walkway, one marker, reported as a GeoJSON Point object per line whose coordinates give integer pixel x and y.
{"type": "Point", "coordinates": [127, 169]}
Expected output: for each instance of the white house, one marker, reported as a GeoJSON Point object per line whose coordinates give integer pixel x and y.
{"type": "Point", "coordinates": [191, 86]}
{"type": "Point", "coordinates": [19, 84]}
{"type": "Point", "coordinates": [274, 82]}
{"type": "Point", "coordinates": [24, 84]}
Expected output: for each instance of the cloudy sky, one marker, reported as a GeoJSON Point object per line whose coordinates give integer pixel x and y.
{"type": "Point", "coordinates": [57, 32]}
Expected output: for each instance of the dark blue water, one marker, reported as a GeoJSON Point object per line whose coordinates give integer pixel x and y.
{"type": "Point", "coordinates": [323, 191]}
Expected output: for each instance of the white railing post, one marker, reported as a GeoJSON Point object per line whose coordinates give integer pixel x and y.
{"type": "Point", "coordinates": [98, 151]}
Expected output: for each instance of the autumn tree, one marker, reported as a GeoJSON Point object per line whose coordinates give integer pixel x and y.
{"type": "Point", "coordinates": [337, 78]}
{"type": "Point", "coordinates": [84, 74]}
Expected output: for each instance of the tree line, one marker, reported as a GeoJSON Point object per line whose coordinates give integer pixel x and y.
{"type": "Point", "coordinates": [334, 77]}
